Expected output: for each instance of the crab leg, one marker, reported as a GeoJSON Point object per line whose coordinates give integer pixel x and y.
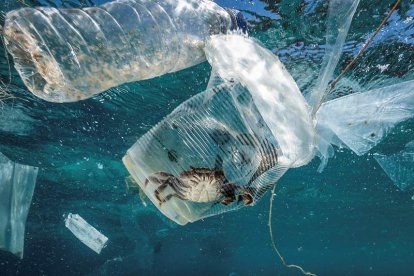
{"type": "Point", "coordinates": [153, 178]}
{"type": "Point", "coordinates": [179, 188]}
{"type": "Point", "coordinates": [159, 190]}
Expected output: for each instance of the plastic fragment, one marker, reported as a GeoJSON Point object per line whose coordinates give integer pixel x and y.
{"type": "Point", "coordinates": [361, 120]}
{"type": "Point", "coordinates": [399, 167]}
{"type": "Point", "coordinates": [86, 233]}
{"type": "Point", "coordinates": [17, 183]}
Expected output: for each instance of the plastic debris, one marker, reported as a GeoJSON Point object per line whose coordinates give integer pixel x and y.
{"type": "Point", "coordinates": [66, 55]}
{"type": "Point", "coordinates": [224, 148]}
{"type": "Point", "coordinates": [86, 233]}
{"type": "Point", "coordinates": [340, 14]}
{"type": "Point", "coordinates": [205, 158]}
{"type": "Point", "coordinates": [399, 167]}
{"type": "Point", "coordinates": [17, 183]}
{"type": "Point", "coordinates": [275, 94]}
{"type": "Point", "coordinates": [361, 120]}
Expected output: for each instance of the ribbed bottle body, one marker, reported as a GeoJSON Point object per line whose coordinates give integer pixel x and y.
{"type": "Point", "coordinates": [66, 55]}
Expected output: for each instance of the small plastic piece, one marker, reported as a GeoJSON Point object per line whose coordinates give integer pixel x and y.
{"type": "Point", "coordinates": [17, 183]}
{"type": "Point", "coordinates": [361, 120]}
{"type": "Point", "coordinates": [399, 167]}
{"type": "Point", "coordinates": [66, 55]}
{"type": "Point", "coordinates": [86, 233]}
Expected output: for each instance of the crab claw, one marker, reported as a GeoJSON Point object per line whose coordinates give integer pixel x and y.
{"type": "Point", "coordinates": [226, 201]}
{"type": "Point", "coordinates": [247, 198]}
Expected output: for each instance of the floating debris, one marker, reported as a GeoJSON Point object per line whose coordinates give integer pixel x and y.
{"type": "Point", "coordinates": [66, 55]}
{"type": "Point", "coordinates": [224, 148]}
{"type": "Point", "coordinates": [86, 233]}
{"type": "Point", "coordinates": [361, 120]}
{"type": "Point", "coordinates": [17, 183]}
{"type": "Point", "coordinates": [399, 167]}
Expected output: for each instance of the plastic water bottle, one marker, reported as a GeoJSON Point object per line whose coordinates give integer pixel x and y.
{"type": "Point", "coordinates": [66, 55]}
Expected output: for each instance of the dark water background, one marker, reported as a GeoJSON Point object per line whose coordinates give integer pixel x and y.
{"type": "Point", "coordinates": [348, 220]}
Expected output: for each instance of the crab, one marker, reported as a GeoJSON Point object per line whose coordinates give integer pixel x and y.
{"type": "Point", "coordinates": [199, 185]}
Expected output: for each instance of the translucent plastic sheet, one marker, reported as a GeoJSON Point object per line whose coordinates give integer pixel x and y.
{"type": "Point", "coordinates": [66, 55]}
{"type": "Point", "coordinates": [325, 150]}
{"type": "Point", "coordinates": [17, 183]}
{"type": "Point", "coordinates": [399, 167]}
{"type": "Point", "coordinates": [361, 120]}
{"type": "Point", "coordinates": [340, 16]}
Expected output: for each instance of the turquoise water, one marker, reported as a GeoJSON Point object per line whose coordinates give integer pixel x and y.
{"type": "Point", "coordinates": [350, 219]}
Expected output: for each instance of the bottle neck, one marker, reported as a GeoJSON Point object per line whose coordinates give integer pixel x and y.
{"type": "Point", "coordinates": [238, 22]}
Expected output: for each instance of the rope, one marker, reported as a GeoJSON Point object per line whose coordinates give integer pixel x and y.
{"type": "Point", "coordinates": [367, 43]}
{"type": "Point", "coordinates": [273, 240]}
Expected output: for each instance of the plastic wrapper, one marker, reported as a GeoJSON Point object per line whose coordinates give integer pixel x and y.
{"type": "Point", "coordinates": [399, 167]}
{"type": "Point", "coordinates": [66, 55]}
{"type": "Point", "coordinates": [361, 120]}
{"type": "Point", "coordinates": [224, 148]}
{"type": "Point", "coordinates": [86, 233]}
{"type": "Point", "coordinates": [17, 183]}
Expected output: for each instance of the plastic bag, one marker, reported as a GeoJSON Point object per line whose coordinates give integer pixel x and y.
{"type": "Point", "coordinates": [340, 14]}
{"type": "Point", "coordinates": [17, 183]}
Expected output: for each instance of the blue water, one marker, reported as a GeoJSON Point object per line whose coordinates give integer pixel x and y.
{"type": "Point", "coordinates": [349, 220]}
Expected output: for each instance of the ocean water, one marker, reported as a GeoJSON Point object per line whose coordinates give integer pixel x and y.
{"type": "Point", "coordinates": [349, 220]}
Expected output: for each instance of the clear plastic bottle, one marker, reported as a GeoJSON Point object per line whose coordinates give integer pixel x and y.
{"type": "Point", "coordinates": [66, 55]}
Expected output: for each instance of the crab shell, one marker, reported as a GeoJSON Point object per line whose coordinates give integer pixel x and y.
{"type": "Point", "coordinates": [203, 185]}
